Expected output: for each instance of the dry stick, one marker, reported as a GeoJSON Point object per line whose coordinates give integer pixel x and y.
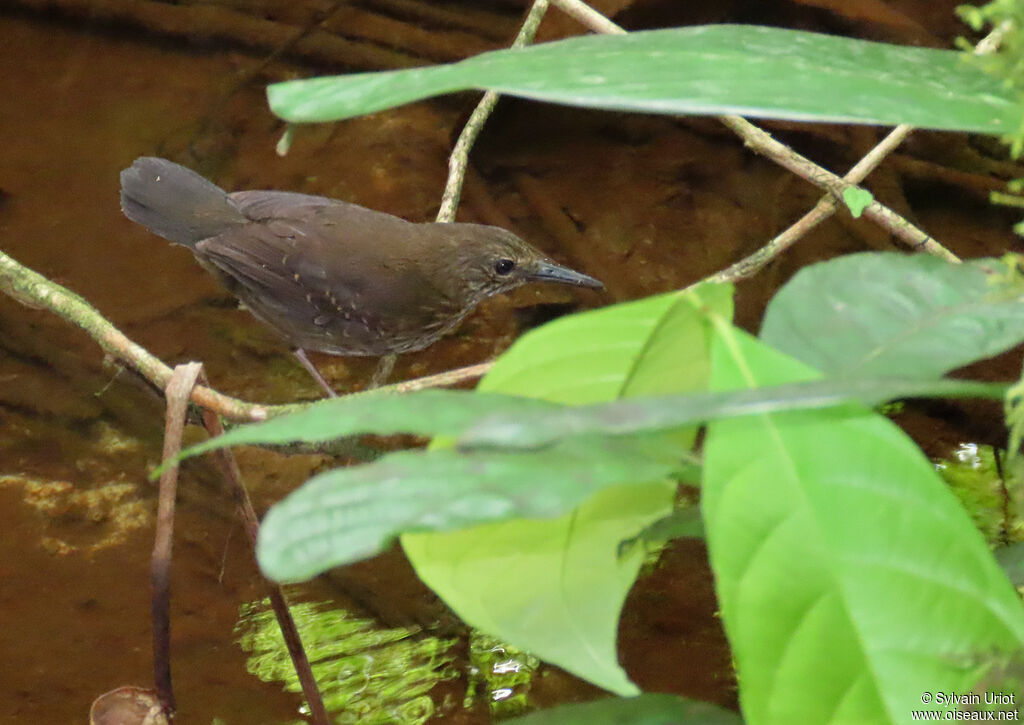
{"type": "Point", "coordinates": [825, 208]}
{"type": "Point", "coordinates": [36, 291]}
{"type": "Point", "coordinates": [588, 17]}
{"type": "Point", "coordinates": [177, 392]}
{"type": "Point", "coordinates": [763, 143]}
{"type": "Point", "coordinates": [459, 159]}
{"type": "Point", "coordinates": [229, 467]}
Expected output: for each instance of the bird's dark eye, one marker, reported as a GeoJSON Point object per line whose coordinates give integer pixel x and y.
{"type": "Point", "coordinates": [504, 266]}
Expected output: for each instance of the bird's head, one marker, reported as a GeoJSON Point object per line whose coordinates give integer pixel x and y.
{"type": "Point", "coordinates": [490, 260]}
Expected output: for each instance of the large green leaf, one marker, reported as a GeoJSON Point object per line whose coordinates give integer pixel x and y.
{"type": "Point", "coordinates": [714, 69]}
{"type": "Point", "coordinates": [556, 588]}
{"type": "Point", "coordinates": [351, 513]}
{"type": "Point", "coordinates": [494, 420]}
{"type": "Point", "coordinates": [648, 347]}
{"type": "Point", "coordinates": [348, 514]}
{"type": "Point", "coordinates": [895, 314]}
{"type": "Point", "coordinates": [851, 580]}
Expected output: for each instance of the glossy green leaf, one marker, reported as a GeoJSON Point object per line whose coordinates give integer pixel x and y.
{"type": "Point", "coordinates": [425, 412]}
{"type": "Point", "coordinates": [495, 420]}
{"type": "Point", "coordinates": [652, 709]}
{"type": "Point", "coordinates": [521, 581]}
{"type": "Point", "coordinates": [851, 580]}
{"type": "Point", "coordinates": [647, 347]}
{"type": "Point", "coordinates": [537, 428]}
{"type": "Point", "coordinates": [714, 69]}
{"type": "Point", "coordinates": [348, 514]}
{"type": "Point", "coordinates": [896, 315]}
{"type": "Point", "coordinates": [553, 588]}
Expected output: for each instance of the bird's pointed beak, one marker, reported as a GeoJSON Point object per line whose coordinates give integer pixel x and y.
{"type": "Point", "coordinates": [544, 271]}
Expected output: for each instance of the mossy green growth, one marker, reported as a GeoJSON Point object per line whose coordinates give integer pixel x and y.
{"type": "Point", "coordinates": [501, 673]}
{"type": "Point", "coordinates": [973, 476]}
{"type": "Point", "coordinates": [366, 674]}
{"type": "Point", "coordinates": [1007, 63]}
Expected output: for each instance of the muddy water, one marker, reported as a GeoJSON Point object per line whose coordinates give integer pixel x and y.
{"type": "Point", "coordinates": [676, 201]}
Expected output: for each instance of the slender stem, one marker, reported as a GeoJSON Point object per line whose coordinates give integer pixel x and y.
{"type": "Point", "coordinates": [588, 17]}
{"type": "Point", "coordinates": [459, 159]}
{"type": "Point", "coordinates": [763, 143]}
{"type": "Point", "coordinates": [827, 205]}
{"type": "Point", "coordinates": [177, 392]}
{"type": "Point", "coordinates": [229, 467]}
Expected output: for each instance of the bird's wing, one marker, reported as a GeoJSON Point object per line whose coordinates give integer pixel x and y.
{"type": "Point", "coordinates": [257, 205]}
{"type": "Point", "coordinates": [310, 261]}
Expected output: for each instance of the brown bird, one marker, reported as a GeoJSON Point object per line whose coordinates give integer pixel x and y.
{"type": "Point", "coordinates": [329, 275]}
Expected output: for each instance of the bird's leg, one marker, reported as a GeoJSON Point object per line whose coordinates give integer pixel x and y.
{"type": "Point", "coordinates": [384, 367]}
{"type": "Point", "coordinates": [311, 369]}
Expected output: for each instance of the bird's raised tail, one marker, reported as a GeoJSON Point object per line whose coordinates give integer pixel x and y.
{"type": "Point", "coordinates": [176, 203]}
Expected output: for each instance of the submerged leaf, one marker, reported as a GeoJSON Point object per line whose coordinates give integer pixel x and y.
{"type": "Point", "coordinates": [366, 674]}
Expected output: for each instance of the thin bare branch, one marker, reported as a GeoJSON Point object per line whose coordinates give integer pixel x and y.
{"type": "Point", "coordinates": [459, 158]}
{"type": "Point", "coordinates": [588, 17]}
{"type": "Point", "coordinates": [827, 206]}
{"type": "Point", "coordinates": [763, 143]}
{"type": "Point", "coordinates": [225, 459]}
